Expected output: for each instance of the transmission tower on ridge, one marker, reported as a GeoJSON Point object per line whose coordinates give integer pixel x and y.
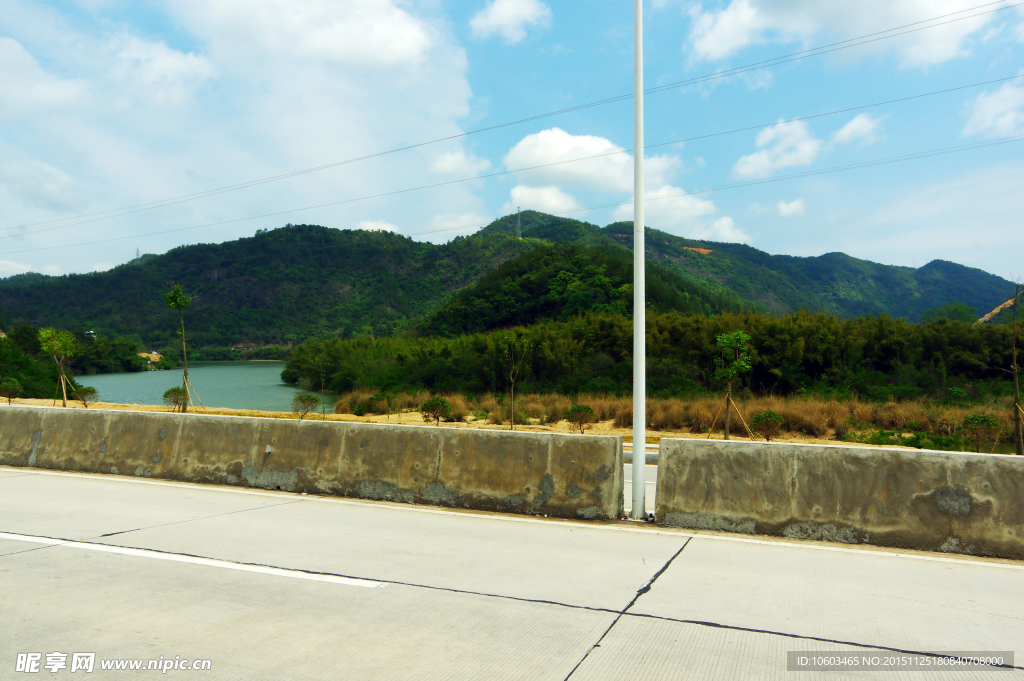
{"type": "Point", "coordinates": [519, 224]}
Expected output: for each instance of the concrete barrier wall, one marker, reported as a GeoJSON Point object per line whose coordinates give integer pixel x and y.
{"type": "Point", "coordinates": [944, 501]}
{"type": "Point", "coordinates": [571, 476]}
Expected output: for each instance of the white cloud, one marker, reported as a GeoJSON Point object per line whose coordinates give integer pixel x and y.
{"type": "Point", "coordinates": [260, 88]}
{"type": "Point", "coordinates": [544, 199]}
{"type": "Point", "coordinates": [668, 208]}
{"type": "Point", "coordinates": [169, 75]}
{"type": "Point", "coordinates": [612, 170]}
{"type": "Point", "coordinates": [356, 32]}
{"type": "Point", "coordinates": [790, 209]}
{"type": "Point", "coordinates": [459, 163]}
{"type": "Point", "coordinates": [863, 127]}
{"type": "Point", "coordinates": [509, 18]}
{"type": "Point", "coordinates": [39, 185]}
{"type": "Point", "coordinates": [722, 229]}
{"type": "Point", "coordinates": [9, 268]}
{"type": "Point", "coordinates": [758, 209]}
{"type": "Point", "coordinates": [721, 33]}
{"type": "Point", "coordinates": [453, 224]}
{"type": "Point", "coordinates": [26, 89]}
{"type": "Point", "coordinates": [783, 145]}
{"type": "Point", "coordinates": [378, 226]}
{"type": "Point", "coordinates": [999, 113]}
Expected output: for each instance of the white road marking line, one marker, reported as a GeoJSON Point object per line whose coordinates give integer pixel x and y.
{"type": "Point", "coordinates": [862, 549]}
{"type": "Point", "coordinates": [194, 560]}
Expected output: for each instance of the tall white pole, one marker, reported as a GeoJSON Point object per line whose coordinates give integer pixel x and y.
{"type": "Point", "coordinates": [639, 297]}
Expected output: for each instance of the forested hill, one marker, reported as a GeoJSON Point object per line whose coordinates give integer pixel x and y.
{"type": "Point", "coordinates": [289, 284]}
{"type": "Point", "coordinates": [562, 281]}
{"type": "Point", "coordinates": [835, 282]}
{"type": "Point", "coordinates": [277, 287]}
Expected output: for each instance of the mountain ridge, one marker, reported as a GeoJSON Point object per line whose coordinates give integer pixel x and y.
{"type": "Point", "coordinates": [285, 285]}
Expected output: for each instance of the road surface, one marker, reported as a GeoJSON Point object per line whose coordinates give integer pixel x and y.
{"type": "Point", "coordinates": [271, 585]}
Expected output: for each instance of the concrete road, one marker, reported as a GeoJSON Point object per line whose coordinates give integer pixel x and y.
{"type": "Point", "coordinates": [270, 585]}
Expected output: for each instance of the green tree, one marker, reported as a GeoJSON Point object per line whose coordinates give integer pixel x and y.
{"type": "Point", "coordinates": [88, 395]}
{"type": "Point", "coordinates": [304, 403]}
{"type": "Point", "coordinates": [514, 350]}
{"type": "Point", "coordinates": [9, 389]}
{"type": "Point", "coordinates": [177, 299]}
{"type": "Point", "coordinates": [581, 416]}
{"type": "Point", "coordinates": [175, 398]}
{"type": "Point", "coordinates": [957, 312]}
{"type": "Point", "coordinates": [435, 409]}
{"type": "Point", "coordinates": [767, 424]}
{"type": "Point", "coordinates": [981, 428]}
{"type": "Point", "coordinates": [735, 360]}
{"type": "Point", "coordinates": [60, 345]}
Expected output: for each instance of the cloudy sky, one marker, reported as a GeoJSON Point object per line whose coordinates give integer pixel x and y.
{"type": "Point", "coordinates": [111, 105]}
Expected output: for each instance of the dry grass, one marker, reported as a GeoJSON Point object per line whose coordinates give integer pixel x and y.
{"type": "Point", "coordinates": [802, 416]}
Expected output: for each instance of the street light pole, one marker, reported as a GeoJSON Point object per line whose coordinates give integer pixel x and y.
{"type": "Point", "coordinates": [639, 305]}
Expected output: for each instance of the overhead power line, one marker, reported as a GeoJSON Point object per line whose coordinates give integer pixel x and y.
{"type": "Point", "coordinates": [594, 156]}
{"type": "Point", "coordinates": [794, 56]}
{"type": "Point", "coordinates": [735, 185]}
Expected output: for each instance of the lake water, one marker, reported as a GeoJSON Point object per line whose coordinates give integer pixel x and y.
{"type": "Point", "coordinates": [238, 385]}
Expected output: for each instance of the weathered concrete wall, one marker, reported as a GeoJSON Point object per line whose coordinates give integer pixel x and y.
{"type": "Point", "coordinates": [570, 476]}
{"type": "Point", "coordinates": [944, 501]}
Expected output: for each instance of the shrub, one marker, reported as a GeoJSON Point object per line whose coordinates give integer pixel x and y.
{"type": "Point", "coordinates": [767, 424]}
{"type": "Point", "coordinates": [10, 388]}
{"type": "Point", "coordinates": [435, 409]}
{"type": "Point", "coordinates": [175, 398]}
{"type": "Point", "coordinates": [554, 414]}
{"type": "Point", "coordinates": [701, 415]}
{"type": "Point", "coordinates": [88, 395]}
{"type": "Point", "coordinates": [581, 416]}
{"type": "Point", "coordinates": [981, 428]}
{"type": "Point", "coordinates": [458, 409]}
{"type": "Point", "coordinates": [624, 418]}
{"type": "Point", "coordinates": [303, 403]}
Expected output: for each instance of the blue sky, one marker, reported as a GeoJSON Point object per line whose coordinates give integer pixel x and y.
{"type": "Point", "coordinates": [108, 103]}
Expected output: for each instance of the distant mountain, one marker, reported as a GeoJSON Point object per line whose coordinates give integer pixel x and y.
{"type": "Point", "coordinates": [835, 282]}
{"type": "Point", "coordinates": [285, 285]}
{"type": "Point", "coordinates": [561, 281]}
{"type": "Point", "coordinates": [278, 287]}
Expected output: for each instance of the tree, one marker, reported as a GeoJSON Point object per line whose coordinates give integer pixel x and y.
{"type": "Point", "coordinates": [767, 423]}
{"type": "Point", "coordinates": [320, 362]}
{"type": "Point", "coordinates": [60, 345]}
{"type": "Point", "coordinates": [981, 428]}
{"type": "Point", "coordinates": [87, 395]}
{"type": "Point", "coordinates": [175, 398]}
{"type": "Point", "coordinates": [177, 299]}
{"type": "Point", "coordinates": [1018, 412]}
{"type": "Point", "coordinates": [514, 350]}
{"type": "Point", "coordinates": [435, 409]}
{"type": "Point", "coordinates": [304, 403]}
{"type": "Point", "coordinates": [10, 388]}
{"type": "Point", "coordinates": [957, 312]}
{"type": "Point", "coordinates": [581, 416]}
{"type": "Point", "coordinates": [735, 360]}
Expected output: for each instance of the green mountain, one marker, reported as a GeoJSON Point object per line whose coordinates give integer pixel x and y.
{"type": "Point", "coordinates": [286, 285]}
{"type": "Point", "coordinates": [834, 283]}
{"type": "Point", "coordinates": [277, 287]}
{"type": "Point", "coordinates": [561, 281]}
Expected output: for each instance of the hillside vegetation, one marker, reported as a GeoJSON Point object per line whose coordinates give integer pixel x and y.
{"type": "Point", "coordinates": [283, 286]}
{"type": "Point", "coordinates": [879, 358]}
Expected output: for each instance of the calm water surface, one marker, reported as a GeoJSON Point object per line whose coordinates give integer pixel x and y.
{"type": "Point", "coordinates": [238, 385]}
